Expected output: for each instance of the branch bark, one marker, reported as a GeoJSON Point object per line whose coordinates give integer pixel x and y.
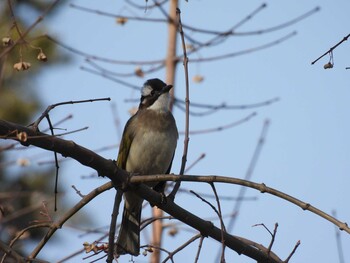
{"type": "Point", "coordinates": [121, 179]}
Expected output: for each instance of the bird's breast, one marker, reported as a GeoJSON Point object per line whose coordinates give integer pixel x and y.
{"type": "Point", "coordinates": [154, 144]}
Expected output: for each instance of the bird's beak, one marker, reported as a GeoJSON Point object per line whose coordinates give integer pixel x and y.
{"type": "Point", "coordinates": [167, 88]}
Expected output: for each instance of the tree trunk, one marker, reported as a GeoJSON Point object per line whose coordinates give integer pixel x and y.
{"type": "Point", "coordinates": [170, 65]}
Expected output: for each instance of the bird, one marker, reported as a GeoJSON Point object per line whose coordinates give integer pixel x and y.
{"type": "Point", "coordinates": [147, 147]}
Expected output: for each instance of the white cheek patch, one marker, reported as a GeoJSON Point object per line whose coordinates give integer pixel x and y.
{"type": "Point", "coordinates": [146, 91]}
{"type": "Point", "coordinates": [162, 103]}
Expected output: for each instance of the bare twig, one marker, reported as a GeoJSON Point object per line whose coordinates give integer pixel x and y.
{"type": "Point", "coordinates": [222, 197]}
{"type": "Point", "coordinates": [188, 242]}
{"type": "Point", "coordinates": [224, 106]}
{"type": "Point", "coordinates": [103, 59]}
{"type": "Point", "coordinates": [11, 253]}
{"type": "Point", "coordinates": [104, 148]}
{"type": "Point", "coordinates": [76, 253]}
{"type": "Point", "coordinates": [148, 6]}
{"type": "Point", "coordinates": [245, 51]}
{"type": "Point", "coordinates": [199, 249]}
{"type": "Point", "coordinates": [338, 240]}
{"type": "Point", "coordinates": [56, 225]}
{"type": "Point", "coordinates": [205, 201]}
{"type": "Point", "coordinates": [292, 253]}
{"type": "Point", "coordinates": [49, 108]}
{"type": "Point", "coordinates": [56, 160]}
{"type": "Point", "coordinates": [187, 100]}
{"type": "Point", "coordinates": [273, 235]}
{"type": "Point", "coordinates": [149, 221]}
{"type": "Point", "coordinates": [117, 200]}
{"type": "Point", "coordinates": [30, 28]}
{"type": "Point", "coordinates": [282, 25]}
{"type": "Point", "coordinates": [250, 170]}
{"type": "Point", "coordinates": [18, 236]}
{"type": "Point", "coordinates": [78, 191]}
{"type": "Point", "coordinates": [201, 157]}
{"type": "Point", "coordinates": [223, 229]}
{"type": "Point", "coordinates": [20, 212]}
{"type": "Point", "coordinates": [124, 83]}
{"type": "Point", "coordinates": [260, 187]}
{"type": "Point", "coordinates": [331, 49]}
{"type": "Point", "coordinates": [220, 37]}
{"type": "Point", "coordinates": [224, 127]}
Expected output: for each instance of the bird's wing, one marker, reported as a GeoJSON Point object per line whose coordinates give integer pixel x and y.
{"type": "Point", "coordinates": [169, 168]}
{"type": "Point", "coordinates": [125, 143]}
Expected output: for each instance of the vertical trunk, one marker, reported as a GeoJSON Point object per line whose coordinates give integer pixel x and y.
{"type": "Point", "coordinates": [170, 65]}
{"type": "Point", "coordinates": [171, 62]}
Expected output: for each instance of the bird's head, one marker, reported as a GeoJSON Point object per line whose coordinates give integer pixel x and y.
{"type": "Point", "coordinates": [155, 95]}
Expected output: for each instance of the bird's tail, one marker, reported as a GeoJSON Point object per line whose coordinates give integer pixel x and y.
{"type": "Point", "coordinates": [128, 241]}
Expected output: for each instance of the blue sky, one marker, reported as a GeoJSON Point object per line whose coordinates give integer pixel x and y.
{"type": "Point", "coordinates": [307, 149]}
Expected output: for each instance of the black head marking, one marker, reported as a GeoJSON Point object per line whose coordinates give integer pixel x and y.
{"type": "Point", "coordinates": [156, 84]}
{"type": "Point", "coordinates": [150, 92]}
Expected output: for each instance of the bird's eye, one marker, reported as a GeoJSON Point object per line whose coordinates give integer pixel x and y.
{"type": "Point", "coordinates": [153, 92]}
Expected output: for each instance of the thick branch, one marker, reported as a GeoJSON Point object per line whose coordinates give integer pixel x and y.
{"type": "Point", "coordinates": [66, 148]}
{"type": "Point", "coordinates": [119, 177]}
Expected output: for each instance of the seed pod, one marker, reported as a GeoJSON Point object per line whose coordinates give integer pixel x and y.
{"type": "Point", "coordinates": [139, 72]}
{"type": "Point", "coordinates": [42, 57]}
{"type": "Point", "coordinates": [7, 41]}
{"type": "Point", "coordinates": [328, 65]}
{"type": "Point", "coordinates": [198, 78]}
{"type": "Point", "coordinates": [122, 20]}
{"type": "Point", "coordinates": [19, 66]}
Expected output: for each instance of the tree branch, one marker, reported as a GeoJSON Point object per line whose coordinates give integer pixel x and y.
{"type": "Point", "coordinates": [121, 179]}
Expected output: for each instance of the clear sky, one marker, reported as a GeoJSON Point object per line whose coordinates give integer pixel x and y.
{"type": "Point", "coordinates": [307, 148]}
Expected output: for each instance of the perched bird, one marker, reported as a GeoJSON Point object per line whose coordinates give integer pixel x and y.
{"type": "Point", "coordinates": [147, 147]}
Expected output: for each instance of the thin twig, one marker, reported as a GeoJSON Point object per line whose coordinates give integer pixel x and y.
{"type": "Point", "coordinates": [78, 252]}
{"type": "Point", "coordinates": [225, 197]}
{"type": "Point", "coordinates": [14, 21]}
{"type": "Point", "coordinates": [250, 170]}
{"type": "Point", "coordinates": [338, 240]}
{"type": "Point", "coordinates": [30, 28]}
{"type": "Point", "coordinates": [111, 237]}
{"type": "Point", "coordinates": [12, 145]}
{"type": "Point", "coordinates": [293, 251]}
{"type": "Point", "coordinates": [205, 201]}
{"type": "Point", "coordinates": [224, 106]}
{"type": "Point", "coordinates": [122, 82]}
{"type": "Point", "coordinates": [199, 249]}
{"type": "Point", "coordinates": [11, 253]}
{"type": "Point", "coordinates": [272, 239]}
{"type": "Point", "coordinates": [280, 26]}
{"type": "Point", "coordinates": [50, 107]}
{"type": "Point", "coordinates": [77, 191]}
{"type": "Point", "coordinates": [224, 127]}
{"type": "Point", "coordinates": [104, 148]}
{"type": "Point", "coordinates": [102, 59]}
{"type": "Point", "coordinates": [187, 100]}
{"type": "Point", "coordinates": [56, 161]}
{"type": "Point", "coordinates": [189, 167]}
{"type": "Point", "coordinates": [247, 184]}
{"type": "Point", "coordinates": [245, 51]}
{"type": "Point", "coordinates": [223, 229]}
{"type": "Point", "coordinates": [188, 242]}
{"type": "Point", "coordinates": [273, 235]}
{"type": "Point", "coordinates": [149, 221]}
{"type": "Point", "coordinates": [220, 37]}
{"type": "Point", "coordinates": [148, 6]}
{"type": "Point", "coordinates": [58, 224]}
{"type": "Point", "coordinates": [331, 49]}
{"type": "Point", "coordinates": [20, 233]}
